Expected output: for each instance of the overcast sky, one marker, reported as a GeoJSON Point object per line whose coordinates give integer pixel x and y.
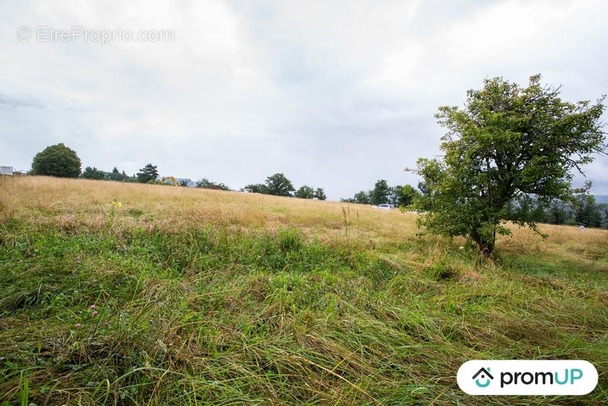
{"type": "Point", "coordinates": [334, 94]}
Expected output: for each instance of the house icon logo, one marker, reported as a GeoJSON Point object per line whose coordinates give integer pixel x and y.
{"type": "Point", "coordinates": [485, 376]}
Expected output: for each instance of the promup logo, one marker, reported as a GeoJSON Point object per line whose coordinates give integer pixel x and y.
{"type": "Point", "coordinates": [527, 377]}
{"type": "Point", "coordinates": [484, 375]}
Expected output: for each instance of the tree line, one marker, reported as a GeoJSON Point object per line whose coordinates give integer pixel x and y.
{"type": "Point", "coordinates": [61, 161]}
{"type": "Point", "coordinates": [382, 193]}
{"type": "Point", "coordinates": [279, 185]}
{"type": "Point", "coordinates": [582, 210]}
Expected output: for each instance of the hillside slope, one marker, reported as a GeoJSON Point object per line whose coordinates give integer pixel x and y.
{"type": "Point", "coordinates": [140, 294]}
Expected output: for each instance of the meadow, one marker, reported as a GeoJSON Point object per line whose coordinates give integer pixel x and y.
{"type": "Point", "coordinates": [116, 293]}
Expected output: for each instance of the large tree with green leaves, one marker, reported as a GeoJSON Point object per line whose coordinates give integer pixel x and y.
{"type": "Point", "coordinates": [381, 193]}
{"type": "Point", "coordinates": [207, 184]}
{"type": "Point", "coordinates": [57, 160]}
{"type": "Point", "coordinates": [256, 188]}
{"type": "Point", "coordinates": [116, 175]}
{"type": "Point", "coordinates": [305, 192]}
{"type": "Point", "coordinates": [147, 174]}
{"type": "Point", "coordinates": [403, 196]}
{"type": "Point", "coordinates": [505, 143]}
{"type": "Point", "coordinates": [279, 185]}
{"type": "Point", "coordinates": [93, 173]}
{"type": "Point", "coordinates": [361, 197]}
{"type": "Point", "coordinates": [320, 194]}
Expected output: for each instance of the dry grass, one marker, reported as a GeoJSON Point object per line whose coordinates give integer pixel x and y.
{"type": "Point", "coordinates": [77, 204]}
{"type": "Point", "coordinates": [65, 201]}
{"type": "Point", "coordinates": [72, 204]}
{"type": "Point", "coordinates": [559, 238]}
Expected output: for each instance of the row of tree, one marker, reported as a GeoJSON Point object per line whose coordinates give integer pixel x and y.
{"type": "Point", "coordinates": [279, 185]}
{"type": "Point", "coordinates": [61, 161]}
{"type": "Point", "coordinates": [382, 193]}
{"type": "Point", "coordinates": [581, 210]}
{"type": "Point", "coordinates": [207, 184]}
{"type": "Point", "coordinates": [147, 174]}
{"type": "Point", "coordinates": [115, 175]}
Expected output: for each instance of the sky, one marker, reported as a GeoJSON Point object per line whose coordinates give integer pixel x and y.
{"type": "Point", "coordinates": [334, 94]}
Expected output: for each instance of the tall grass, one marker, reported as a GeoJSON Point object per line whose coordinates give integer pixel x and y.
{"type": "Point", "coordinates": [211, 297]}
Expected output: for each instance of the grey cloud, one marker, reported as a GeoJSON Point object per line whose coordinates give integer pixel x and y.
{"type": "Point", "coordinates": [8, 102]}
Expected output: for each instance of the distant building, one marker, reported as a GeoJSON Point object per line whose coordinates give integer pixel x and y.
{"type": "Point", "coordinates": [186, 181]}
{"type": "Point", "coordinates": [6, 170]}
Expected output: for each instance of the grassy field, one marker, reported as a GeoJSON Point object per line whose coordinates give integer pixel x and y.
{"type": "Point", "coordinates": [135, 294]}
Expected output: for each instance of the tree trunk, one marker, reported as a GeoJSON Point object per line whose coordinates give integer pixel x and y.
{"type": "Point", "coordinates": [486, 246]}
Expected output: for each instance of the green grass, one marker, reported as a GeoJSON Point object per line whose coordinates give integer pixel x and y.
{"type": "Point", "coordinates": [211, 314]}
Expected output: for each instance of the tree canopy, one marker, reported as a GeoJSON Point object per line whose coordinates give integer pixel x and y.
{"type": "Point", "coordinates": [305, 192]}
{"type": "Point", "coordinates": [256, 188]}
{"type": "Point", "coordinates": [399, 196]}
{"type": "Point", "coordinates": [320, 194]}
{"type": "Point", "coordinates": [205, 183]}
{"type": "Point", "coordinates": [117, 175]}
{"type": "Point", "coordinates": [279, 185]}
{"type": "Point", "coordinates": [93, 173]}
{"type": "Point", "coordinates": [381, 193]}
{"type": "Point", "coordinates": [57, 160]}
{"type": "Point", "coordinates": [507, 142]}
{"type": "Point", "coordinates": [147, 173]}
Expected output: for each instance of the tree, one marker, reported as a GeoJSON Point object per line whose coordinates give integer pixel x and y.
{"type": "Point", "coordinates": [207, 184]}
{"type": "Point", "coordinates": [279, 185]}
{"type": "Point", "coordinates": [256, 188]}
{"type": "Point", "coordinates": [305, 192]}
{"type": "Point", "coordinates": [381, 193]}
{"type": "Point", "coordinates": [320, 194]}
{"type": "Point", "coordinates": [528, 208]}
{"type": "Point", "coordinates": [603, 210]}
{"type": "Point", "coordinates": [404, 195]}
{"type": "Point", "coordinates": [587, 212]}
{"type": "Point", "coordinates": [507, 142]}
{"type": "Point", "coordinates": [559, 212]}
{"type": "Point", "coordinates": [93, 173]}
{"type": "Point", "coordinates": [395, 194]}
{"type": "Point", "coordinates": [203, 183]}
{"type": "Point", "coordinates": [57, 160]}
{"type": "Point", "coordinates": [116, 175]}
{"type": "Point", "coordinates": [147, 173]}
{"type": "Point", "coordinates": [362, 197]}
